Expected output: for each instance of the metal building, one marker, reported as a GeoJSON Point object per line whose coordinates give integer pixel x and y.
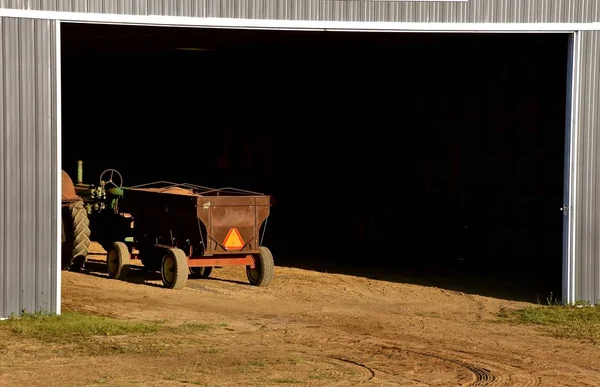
{"type": "Point", "coordinates": [30, 111]}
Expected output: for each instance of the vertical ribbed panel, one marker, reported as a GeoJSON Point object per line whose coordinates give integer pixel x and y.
{"type": "Point", "coordinates": [28, 278]}
{"type": "Point", "coordinates": [472, 11]}
{"type": "Point", "coordinates": [586, 273]}
{"type": "Point", "coordinates": [3, 188]}
{"type": "Point", "coordinates": [28, 143]}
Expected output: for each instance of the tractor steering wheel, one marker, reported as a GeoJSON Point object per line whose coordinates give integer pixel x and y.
{"type": "Point", "coordinates": [111, 173]}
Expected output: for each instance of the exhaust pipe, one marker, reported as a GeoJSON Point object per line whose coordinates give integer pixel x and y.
{"type": "Point", "coordinates": [79, 172]}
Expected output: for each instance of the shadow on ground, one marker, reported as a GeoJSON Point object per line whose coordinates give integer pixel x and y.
{"type": "Point", "coordinates": [527, 284]}
{"type": "Point", "coordinates": [96, 267]}
{"type": "Point", "coordinates": [507, 281]}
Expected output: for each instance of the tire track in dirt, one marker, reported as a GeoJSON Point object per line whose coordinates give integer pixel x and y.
{"type": "Point", "coordinates": [486, 369]}
{"type": "Point", "coordinates": [459, 367]}
{"type": "Point", "coordinates": [340, 369]}
{"type": "Point", "coordinates": [365, 372]}
{"type": "Point", "coordinates": [401, 364]}
{"type": "Point", "coordinates": [507, 374]}
{"type": "Point", "coordinates": [483, 374]}
{"type": "Point", "coordinates": [386, 363]}
{"type": "Point", "coordinates": [483, 377]}
{"type": "Point", "coordinates": [453, 370]}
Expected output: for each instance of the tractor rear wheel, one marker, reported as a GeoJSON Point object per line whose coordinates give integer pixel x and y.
{"type": "Point", "coordinates": [76, 226]}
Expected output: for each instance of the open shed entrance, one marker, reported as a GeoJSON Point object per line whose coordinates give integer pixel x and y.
{"type": "Point", "coordinates": [434, 158]}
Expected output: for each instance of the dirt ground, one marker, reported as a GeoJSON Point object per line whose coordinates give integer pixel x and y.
{"type": "Point", "coordinates": [307, 328]}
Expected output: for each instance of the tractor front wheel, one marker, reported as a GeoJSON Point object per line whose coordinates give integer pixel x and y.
{"type": "Point", "coordinates": [118, 261]}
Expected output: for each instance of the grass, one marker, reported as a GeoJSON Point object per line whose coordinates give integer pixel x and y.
{"type": "Point", "coordinates": [579, 321]}
{"type": "Point", "coordinates": [74, 325]}
{"type": "Point", "coordinates": [286, 380]}
{"type": "Point", "coordinates": [243, 366]}
{"type": "Point", "coordinates": [85, 330]}
{"type": "Point", "coordinates": [193, 327]}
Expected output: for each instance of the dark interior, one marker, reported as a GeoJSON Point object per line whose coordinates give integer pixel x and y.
{"type": "Point", "coordinates": [429, 158]}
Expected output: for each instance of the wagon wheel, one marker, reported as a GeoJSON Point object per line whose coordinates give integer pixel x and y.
{"type": "Point", "coordinates": [118, 260]}
{"type": "Point", "coordinates": [264, 268]}
{"type": "Point", "coordinates": [200, 272]}
{"type": "Point", "coordinates": [111, 174]}
{"type": "Point", "coordinates": [174, 269]}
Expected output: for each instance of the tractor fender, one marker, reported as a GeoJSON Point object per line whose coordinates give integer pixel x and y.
{"type": "Point", "coordinates": [68, 188]}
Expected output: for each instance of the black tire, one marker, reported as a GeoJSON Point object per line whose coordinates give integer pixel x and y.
{"type": "Point", "coordinates": [118, 260]}
{"type": "Point", "coordinates": [77, 232]}
{"type": "Point", "coordinates": [81, 230]}
{"type": "Point", "coordinates": [174, 269]}
{"type": "Point", "coordinates": [63, 235]}
{"type": "Point", "coordinates": [201, 272]}
{"type": "Point", "coordinates": [264, 270]}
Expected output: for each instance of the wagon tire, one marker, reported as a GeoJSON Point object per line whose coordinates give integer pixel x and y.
{"type": "Point", "coordinates": [264, 268]}
{"type": "Point", "coordinates": [200, 272]}
{"type": "Point", "coordinates": [174, 269]}
{"type": "Point", "coordinates": [118, 260]}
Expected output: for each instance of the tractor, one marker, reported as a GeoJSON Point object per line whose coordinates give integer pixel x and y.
{"type": "Point", "coordinates": [89, 213]}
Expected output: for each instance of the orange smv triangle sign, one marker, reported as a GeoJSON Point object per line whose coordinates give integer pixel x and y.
{"type": "Point", "coordinates": [233, 240]}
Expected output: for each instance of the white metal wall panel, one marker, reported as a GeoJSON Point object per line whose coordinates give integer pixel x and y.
{"type": "Point", "coordinates": [28, 121]}
{"type": "Point", "coordinates": [585, 275]}
{"type": "Point", "coordinates": [28, 271]}
{"type": "Point", "coordinates": [476, 11]}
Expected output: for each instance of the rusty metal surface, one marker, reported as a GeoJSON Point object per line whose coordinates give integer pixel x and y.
{"type": "Point", "coordinates": [191, 189]}
{"type": "Point", "coordinates": [168, 190]}
{"type": "Point", "coordinates": [68, 188]}
{"type": "Point", "coordinates": [219, 214]}
{"type": "Point", "coordinates": [195, 218]}
{"type": "Point", "coordinates": [247, 260]}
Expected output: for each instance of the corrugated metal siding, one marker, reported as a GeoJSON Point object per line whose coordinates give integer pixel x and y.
{"type": "Point", "coordinates": [27, 154]}
{"type": "Point", "coordinates": [479, 11]}
{"type": "Point", "coordinates": [587, 207]}
{"type": "Point", "coordinates": [28, 122]}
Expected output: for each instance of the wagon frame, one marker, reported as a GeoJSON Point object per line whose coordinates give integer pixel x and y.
{"type": "Point", "coordinates": [185, 230]}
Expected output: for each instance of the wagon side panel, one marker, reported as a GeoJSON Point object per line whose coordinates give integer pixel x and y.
{"type": "Point", "coordinates": [163, 218]}
{"type": "Point", "coordinates": [222, 214]}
